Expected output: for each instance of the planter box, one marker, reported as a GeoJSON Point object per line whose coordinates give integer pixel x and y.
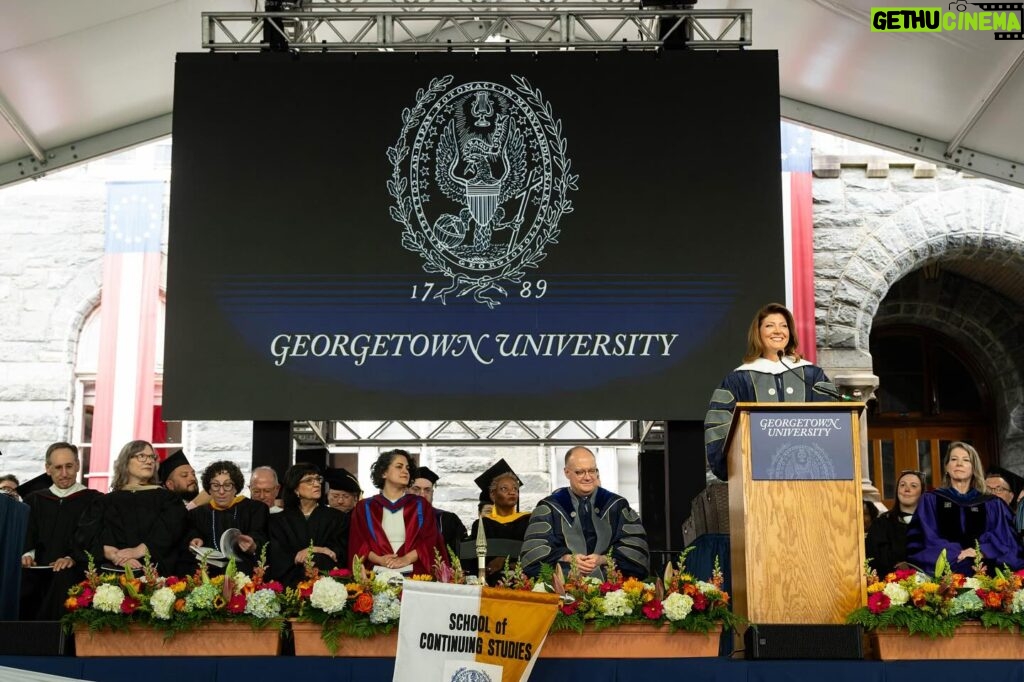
{"type": "Point", "coordinates": [631, 641]}
{"type": "Point", "coordinates": [309, 643]}
{"type": "Point", "coordinates": [215, 639]}
{"type": "Point", "coordinates": [972, 641]}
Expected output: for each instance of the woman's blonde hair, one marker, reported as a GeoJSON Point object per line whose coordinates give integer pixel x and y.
{"type": "Point", "coordinates": [755, 347]}
{"type": "Point", "coordinates": [977, 472]}
{"type": "Point", "coordinates": [121, 465]}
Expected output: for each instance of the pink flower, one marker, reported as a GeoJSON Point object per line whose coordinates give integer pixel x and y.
{"type": "Point", "coordinates": [653, 609]}
{"type": "Point", "coordinates": [878, 602]}
{"type": "Point", "coordinates": [340, 573]}
{"type": "Point", "coordinates": [85, 599]}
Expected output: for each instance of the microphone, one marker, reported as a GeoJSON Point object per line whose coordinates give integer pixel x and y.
{"type": "Point", "coordinates": [819, 387]}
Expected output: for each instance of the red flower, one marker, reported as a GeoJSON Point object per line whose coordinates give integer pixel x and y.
{"type": "Point", "coordinates": [85, 599]}
{"type": "Point", "coordinates": [340, 573]}
{"type": "Point", "coordinates": [700, 602]}
{"type": "Point", "coordinates": [904, 573]}
{"type": "Point", "coordinates": [878, 602]}
{"type": "Point", "coordinates": [130, 605]}
{"type": "Point", "coordinates": [236, 604]}
{"type": "Point", "coordinates": [607, 587]}
{"type": "Point", "coordinates": [277, 587]}
{"type": "Point", "coordinates": [570, 608]}
{"type": "Point", "coordinates": [304, 592]}
{"type": "Point", "coordinates": [363, 603]}
{"type": "Point", "coordinates": [653, 609]}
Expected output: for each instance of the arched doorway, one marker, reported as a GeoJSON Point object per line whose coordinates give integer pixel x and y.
{"type": "Point", "coordinates": [930, 394]}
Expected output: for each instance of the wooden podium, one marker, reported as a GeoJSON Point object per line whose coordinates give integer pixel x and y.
{"type": "Point", "coordinates": [795, 516]}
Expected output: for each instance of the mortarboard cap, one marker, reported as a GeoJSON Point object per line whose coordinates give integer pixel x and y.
{"type": "Point", "coordinates": [483, 481]}
{"type": "Point", "coordinates": [341, 479]}
{"type": "Point", "coordinates": [424, 472]}
{"type": "Point", "coordinates": [173, 461]}
{"type": "Point", "coordinates": [40, 482]}
{"type": "Point", "coordinates": [1015, 481]}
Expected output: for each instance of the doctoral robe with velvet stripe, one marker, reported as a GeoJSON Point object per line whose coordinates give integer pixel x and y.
{"type": "Point", "coordinates": [366, 534]}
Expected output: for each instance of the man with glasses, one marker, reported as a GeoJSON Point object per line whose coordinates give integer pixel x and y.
{"type": "Point", "coordinates": [578, 526]}
{"type": "Point", "coordinates": [452, 530]}
{"type": "Point", "coordinates": [264, 487]}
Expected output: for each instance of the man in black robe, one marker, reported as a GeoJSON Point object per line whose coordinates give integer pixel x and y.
{"type": "Point", "coordinates": [343, 490]}
{"type": "Point", "coordinates": [53, 561]}
{"type": "Point", "coordinates": [178, 476]}
{"type": "Point", "coordinates": [422, 483]}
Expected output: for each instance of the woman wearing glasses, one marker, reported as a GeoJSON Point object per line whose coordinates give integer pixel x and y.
{"type": "Point", "coordinates": [138, 516]}
{"type": "Point", "coordinates": [886, 543]}
{"type": "Point", "coordinates": [305, 521]}
{"type": "Point", "coordinates": [504, 521]}
{"type": "Point", "coordinates": [223, 481]}
{"type": "Point", "coordinates": [393, 529]}
{"type": "Point", "coordinates": [960, 516]}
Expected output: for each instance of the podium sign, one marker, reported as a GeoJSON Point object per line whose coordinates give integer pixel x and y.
{"type": "Point", "coordinates": [801, 446]}
{"type": "Point", "coordinates": [795, 516]}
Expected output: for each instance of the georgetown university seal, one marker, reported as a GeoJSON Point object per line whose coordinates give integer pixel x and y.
{"type": "Point", "coordinates": [479, 181]}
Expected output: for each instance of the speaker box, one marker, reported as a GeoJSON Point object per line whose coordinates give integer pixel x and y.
{"type": "Point", "coordinates": [804, 641]}
{"type": "Point", "coordinates": [33, 638]}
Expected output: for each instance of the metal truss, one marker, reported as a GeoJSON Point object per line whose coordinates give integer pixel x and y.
{"type": "Point", "coordinates": [477, 26]}
{"type": "Point", "coordinates": [479, 433]}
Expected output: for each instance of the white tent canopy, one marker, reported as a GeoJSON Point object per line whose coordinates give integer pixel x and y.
{"type": "Point", "coordinates": [82, 79]}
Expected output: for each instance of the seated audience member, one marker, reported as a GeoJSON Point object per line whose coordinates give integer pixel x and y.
{"type": "Point", "coordinates": [178, 476]}
{"type": "Point", "coordinates": [886, 543]}
{"type": "Point", "coordinates": [452, 530]}
{"type": "Point", "coordinates": [137, 517]}
{"type": "Point", "coordinates": [582, 523]}
{"type": "Point", "coordinates": [228, 509]}
{"type": "Point", "coordinates": [304, 522]}
{"type": "Point", "coordinates": [959, 515]}
{"type": "Point", "coordinates": [264, 487]}
{"type": "Point", "coordinates": [503, 521]}
{"type": "Point", "coordinates": [50, 541]}
{"type": "Point", "coordinates": [394, 529]}
{"type": "Point", "coordinates": [9, 486]}
{"type": "Point", "coordinates": [1004, 484]}
{"type": "Point", "coordinates": [343, 490]}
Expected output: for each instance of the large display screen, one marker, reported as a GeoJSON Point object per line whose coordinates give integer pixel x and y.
{"type": "Point", "coordinates": [450, 236]}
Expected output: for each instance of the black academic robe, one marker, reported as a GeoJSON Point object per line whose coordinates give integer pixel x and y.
{"type": "Point", "coordinates": [52, 524]}
{"type": "Point", "coordinates": [496, 530]}
{"type": "Point", "coordinates": [13, 524]}
{"type": "Point", "coordinates": [291, 531]}
{"type": "Point", "coordinates": [125, 518]}
{"type": "Point", "coordinates": [250, 517]}
{"type": "Point", "coordinates": [451, 528]}
{"type": "Point", "coordinates": [886, 542]}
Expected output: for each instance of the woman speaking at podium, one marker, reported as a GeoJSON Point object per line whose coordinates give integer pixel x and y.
{"type": "Point", "coordinates": [772, 371]}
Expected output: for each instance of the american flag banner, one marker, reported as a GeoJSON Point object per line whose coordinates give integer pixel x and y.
{"type": "Point", "coordinates": [798, 233]}
{"type": "Point", "coordinates": [128, 319]}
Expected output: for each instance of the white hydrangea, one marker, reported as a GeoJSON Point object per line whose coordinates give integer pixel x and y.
{"type": "Point", "coordinates": [162, 602]}
{"type": "Point", "coordinates": [897, 594]}
{"type": "Point", "coordinates": [386, 608]}
{"type": "Point", "coordinates": [968, 602]}
{"type": "Point", "coordinates": [202, 597]}
{"type": "Point", "coordinates": [239, 582]}
{"type": "Point", "coordinates": [328, 595]}
{"type": "Point", "coordinates": [108, 598]}
{"type": "Point", "coordinates": [1017, 605]}
{"type": "Point", "coordinates": [677, 606]}
{"type": "Point", "coordinates": [616, 604]}
{"type": "Point", "coordinates": [706, 588]}
{"type": "Point", "coordinates": [972, 583]}
{"type": "Point", "coordinates": [263, 604]}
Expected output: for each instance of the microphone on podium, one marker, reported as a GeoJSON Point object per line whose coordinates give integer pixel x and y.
{"type": "Point", "coordinates": [820, 387]}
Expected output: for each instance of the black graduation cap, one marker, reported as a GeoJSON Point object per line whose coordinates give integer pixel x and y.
{"type": "Point", "coordinates": [1015, 481]}
{"type": "Point", "coordinates": [40, 482]}
{"type": "Point", "coordinates": [424, 472]}
{"type": "Point", "coordinates": [341, 479]}
{"type": "Point", "coordinates": [172, 462]}
{"type": "Point", "coordinates": [483, 481]}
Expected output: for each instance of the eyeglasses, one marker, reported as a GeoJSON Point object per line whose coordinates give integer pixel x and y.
{"type": "Point", "coordinates": [506, 489]}
{"type": "Point", "coordinates": [226, 487]}
{"type": "Point", "coordinates": [999, 489]}
{"type": "Point", "coordinates": [143, 457]}
{"type": "Point", "coordinates": [263, 491]}
{"type": "Point", "coordinates": [580, 473]}
{"type": "Point", "coordinates": [312, 480]}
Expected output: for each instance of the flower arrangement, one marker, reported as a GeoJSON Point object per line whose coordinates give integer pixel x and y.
{"type": "Point", "coordinates": [677, 600]}
{"type": "Point", "coordinates": [349, 602]}
{"type": "Point", "coordinates": [938, 604]}
{"type": "Point", "coordinates": [111, 601]}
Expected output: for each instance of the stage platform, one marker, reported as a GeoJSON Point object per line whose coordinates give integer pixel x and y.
{"type": "Point", "coordinates": [562, 670]}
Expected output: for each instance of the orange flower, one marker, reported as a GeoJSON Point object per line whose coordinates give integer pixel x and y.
{"type": "Point", "coordinates": [353, 589]}
{"type": "Point", "coordinates": [930, 588]}
{"type": "Point", "coordinates": [179, 605]}
{"type": "Point", "coordinates": [363, 603]}
{"type": "Point", "coordinates": [875, 587]}
{"type": "Point", "coordinates": [632, 586]}
{"type": "Point", "coordinates": [993, 599]}
{"type": "Point", "coordinates": [179, 587]}
{"type": "Point", "coordinates": [918, 597]}
{"type": "Point", "coordinates": [71, 604]}
{"type": "Point", "coordinates": [425, 577]}
{"type": "Point", "coordinates": [690, 589]}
